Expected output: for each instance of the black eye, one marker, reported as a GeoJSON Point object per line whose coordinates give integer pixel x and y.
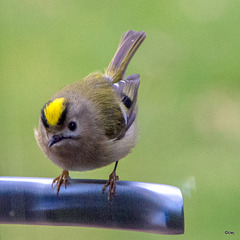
{"type": "Point", "coordinates": [72, 126]}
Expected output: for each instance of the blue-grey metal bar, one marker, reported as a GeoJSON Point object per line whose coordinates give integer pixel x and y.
{"type": "Point", "coordinates": [137, 206]}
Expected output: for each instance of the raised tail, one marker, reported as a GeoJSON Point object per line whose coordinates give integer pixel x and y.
{"type": "Point", "coordinates": [129, 44]}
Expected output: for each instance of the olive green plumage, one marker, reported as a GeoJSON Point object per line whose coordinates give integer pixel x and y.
{"type": "Point", "coordinates": [91, 123]}
{"type": "Point", "coordinates": [96, 89]}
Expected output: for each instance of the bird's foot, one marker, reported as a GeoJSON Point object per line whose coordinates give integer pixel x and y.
{"type": "Point", "coordinates": [111, 183]}
{"type": "Point", "coordinates": [62, 178]}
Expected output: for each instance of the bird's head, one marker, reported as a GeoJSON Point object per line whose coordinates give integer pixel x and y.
{"type": "Point", "coordinates": [61, 121]}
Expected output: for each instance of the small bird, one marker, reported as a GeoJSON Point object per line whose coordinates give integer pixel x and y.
{"type": "Point", "coordinates": [92, 123]}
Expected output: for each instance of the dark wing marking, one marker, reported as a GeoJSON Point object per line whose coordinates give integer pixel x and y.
{"type": "Point", "coordinates": [127, 90]}
{"type": "Point", "coordinates": [127, 101]}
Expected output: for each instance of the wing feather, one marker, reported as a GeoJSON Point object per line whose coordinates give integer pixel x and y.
{"type": "Point", "coordinates": [127, 90]}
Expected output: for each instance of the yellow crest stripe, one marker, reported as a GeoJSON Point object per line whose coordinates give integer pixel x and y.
{"type": "Point", "coordinates": [54, 110]}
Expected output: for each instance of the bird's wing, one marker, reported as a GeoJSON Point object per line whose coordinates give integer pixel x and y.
{"type": "Point", "coordinates": [127, 90]}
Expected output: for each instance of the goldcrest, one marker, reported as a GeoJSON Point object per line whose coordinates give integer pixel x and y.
{"type": "Point", "coordinates": [92, 123]}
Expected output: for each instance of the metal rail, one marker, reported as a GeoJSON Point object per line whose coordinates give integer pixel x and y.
{"type": "Point", "coordinates": [137, 206]}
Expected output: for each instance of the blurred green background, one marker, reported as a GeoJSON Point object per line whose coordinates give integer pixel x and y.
{"type": "Point", "coordinates": [189, 99]}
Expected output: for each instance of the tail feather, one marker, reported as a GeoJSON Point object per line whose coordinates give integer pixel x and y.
{"type": "Point", "coordinates": [129, 44]}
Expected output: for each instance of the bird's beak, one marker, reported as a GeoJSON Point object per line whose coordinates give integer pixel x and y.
{"type": "Point", "coordinates": [54, 139]}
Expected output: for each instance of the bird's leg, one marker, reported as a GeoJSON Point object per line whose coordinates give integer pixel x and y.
{"type": "Point", "coordinates": [62, 178]}
{"type": "Point", "coordinates": [111, 183]}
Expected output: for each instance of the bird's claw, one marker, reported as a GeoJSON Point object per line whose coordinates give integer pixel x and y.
{"type": "Point", "coordinates": [62, 178]}
{"type": "Point", "coordinates": [111, 183]}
